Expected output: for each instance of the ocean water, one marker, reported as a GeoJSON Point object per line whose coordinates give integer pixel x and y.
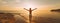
{"type": "Point", "coordinates": [42, 16]}
{"type": "Point", "coordinates": [47, 17]}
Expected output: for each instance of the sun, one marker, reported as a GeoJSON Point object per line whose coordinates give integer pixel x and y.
{"type": "Point", "coordinates": [27, 6]}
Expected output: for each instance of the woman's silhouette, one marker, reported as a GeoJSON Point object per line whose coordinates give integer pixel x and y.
{"type": "Point", "coordinates": [30, 13]}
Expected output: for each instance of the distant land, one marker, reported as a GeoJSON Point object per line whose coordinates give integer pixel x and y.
{"type": "Point", "coordinates": [55, 10]}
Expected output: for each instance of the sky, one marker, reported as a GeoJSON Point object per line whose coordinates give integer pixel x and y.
{"type": "Point", "coordinates": [16, 4]}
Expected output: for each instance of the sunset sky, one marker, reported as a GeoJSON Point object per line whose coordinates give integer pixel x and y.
{"type": "Point", "coordinates": [16, 4]}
